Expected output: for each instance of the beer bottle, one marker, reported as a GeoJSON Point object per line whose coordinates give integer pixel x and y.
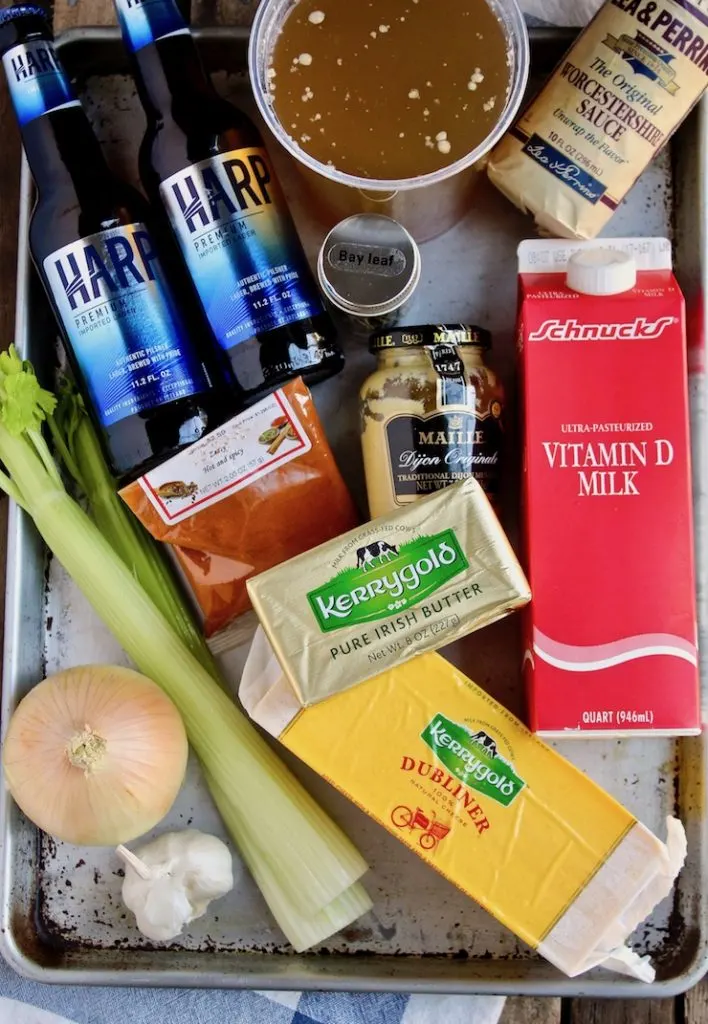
{"type": "Point", "coordinates": [145, 383]}
{"type": "Point", "coordinates": [205, 161]}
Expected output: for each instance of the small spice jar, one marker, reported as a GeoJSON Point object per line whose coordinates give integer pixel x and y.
{"type": "Point", "coordinates": [431, 414]}
{"type": "Point", "coordinates": [368, 268]}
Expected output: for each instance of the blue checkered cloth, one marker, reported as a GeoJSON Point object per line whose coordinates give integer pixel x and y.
{"type": "Point", "coordinates": [26, 1002]}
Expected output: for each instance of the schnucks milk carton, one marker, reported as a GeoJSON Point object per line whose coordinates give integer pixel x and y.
{"type": "Point", "coordinates": [610, 642]}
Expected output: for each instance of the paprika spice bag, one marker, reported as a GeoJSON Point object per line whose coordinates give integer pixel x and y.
{"type": "Point", "coordinates": [257, 491]}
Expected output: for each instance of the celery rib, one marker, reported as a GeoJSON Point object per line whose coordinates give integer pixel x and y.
{"type": "Point", "coordinates": [307, 868]}
{"type": "Point", "coordinates": [78, 446]}
{"type": "Point", "coordinates": [303, 930]}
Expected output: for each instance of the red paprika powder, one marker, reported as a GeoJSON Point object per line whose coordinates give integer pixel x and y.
{"type": "Point", "coordinates": [262, 488]}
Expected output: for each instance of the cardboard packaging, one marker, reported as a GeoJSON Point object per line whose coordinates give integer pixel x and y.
{"type": "Point", "coordinates": [612, 103]}
{"type": "Point", "coordinates": [462, 783]}
{"type": "Point", "coordinates": [611, 630]}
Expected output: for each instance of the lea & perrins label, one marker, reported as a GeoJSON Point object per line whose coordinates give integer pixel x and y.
{"type": "Point", "coordinates": [611, 104]}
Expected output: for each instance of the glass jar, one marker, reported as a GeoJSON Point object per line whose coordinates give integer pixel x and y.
{"type": "Point", "coordinates": [431, 414]}
{"type": "Point", "coordinates": [368, 269]}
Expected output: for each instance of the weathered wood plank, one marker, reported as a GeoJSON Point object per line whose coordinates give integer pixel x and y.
{"type": "Point", "coordinates": [622, 1011]}
{"type": "Point", "coordinates": [531, 1011]}
{"type": "Point", "coordinates": [79, 13]}
{"type": "Point", "coordinates": [695, 1005]}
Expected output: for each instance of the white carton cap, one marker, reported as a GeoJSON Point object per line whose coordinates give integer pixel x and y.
{"type": "Point", "coordinates": [601, 272]}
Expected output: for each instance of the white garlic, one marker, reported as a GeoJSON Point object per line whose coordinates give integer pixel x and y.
{"type": "Point", "coordinates": [173, 879]}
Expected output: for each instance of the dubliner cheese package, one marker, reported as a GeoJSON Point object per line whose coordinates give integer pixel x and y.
{"type": "Point", "coordinates": [461, 782]}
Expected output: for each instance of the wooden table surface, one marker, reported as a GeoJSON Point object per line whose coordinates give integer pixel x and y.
{"type": "Point", "coordinates": [689, 1009]}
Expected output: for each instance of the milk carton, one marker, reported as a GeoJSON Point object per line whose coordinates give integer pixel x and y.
{"type": "Point", "coordinates": [610, 644]}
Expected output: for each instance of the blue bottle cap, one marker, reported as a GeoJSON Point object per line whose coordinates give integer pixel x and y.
{"type": "Point", "coordinates": [22, 11]}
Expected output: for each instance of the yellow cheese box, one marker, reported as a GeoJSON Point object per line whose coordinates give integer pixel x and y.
{"type": "Point", "coordinates": [453, 775]}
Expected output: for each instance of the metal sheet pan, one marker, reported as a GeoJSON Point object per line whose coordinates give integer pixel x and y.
{"type": "Point", "coordinates": [62, 918]}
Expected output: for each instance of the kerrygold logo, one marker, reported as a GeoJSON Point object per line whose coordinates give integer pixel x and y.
{"type": "Point", "coordinates": [387, 579]}
{"type": "Point", "coordinates": [473, 759]}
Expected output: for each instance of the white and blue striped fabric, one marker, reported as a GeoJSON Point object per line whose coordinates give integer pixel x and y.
{"type": "Point", "coordinates": [26, 1002]}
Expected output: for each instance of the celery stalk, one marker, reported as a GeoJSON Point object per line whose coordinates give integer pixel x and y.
{"type": "Point", "coordinates": [306, 867]}
{"type": "Point", "coordinates": [341, 911]}
{"type": "Point", "coordinates": [78, 446]}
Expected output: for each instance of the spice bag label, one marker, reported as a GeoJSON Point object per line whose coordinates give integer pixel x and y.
{"type": "Point", "coordinates": [243, 450]}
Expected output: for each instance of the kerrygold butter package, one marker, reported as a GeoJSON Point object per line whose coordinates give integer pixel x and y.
{"type": "Point", "coordinates": [386, 591]}
{"type": "Point", "coordinates": [611, 104]}
{"type": "Point", "coordinates": [453, 775]}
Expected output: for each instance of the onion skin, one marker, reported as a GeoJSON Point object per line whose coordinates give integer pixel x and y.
{"type": "Point", "coordinates": [131, 780]}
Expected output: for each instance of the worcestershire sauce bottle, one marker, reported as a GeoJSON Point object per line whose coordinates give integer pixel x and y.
{"type": "Point", "coordinates": [206, 163]}
{"type": "Point", "coordinates": [145, 384]}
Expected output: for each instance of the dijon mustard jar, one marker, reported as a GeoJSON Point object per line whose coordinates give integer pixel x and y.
{"type": "Point", "coordinates": [431, 414]}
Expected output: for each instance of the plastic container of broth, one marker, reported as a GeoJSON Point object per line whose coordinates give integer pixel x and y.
{"type": "Point", "coordinates": [426, 204]}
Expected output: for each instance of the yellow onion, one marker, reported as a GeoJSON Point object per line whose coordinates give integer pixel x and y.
{"type": "Point", "coordinates": [95, 755]}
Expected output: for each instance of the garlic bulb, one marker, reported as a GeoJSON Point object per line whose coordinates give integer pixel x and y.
{"type": "Point", "coordinates": [95, 755]}
{"type": "Point", "coordinates": [172, 880]}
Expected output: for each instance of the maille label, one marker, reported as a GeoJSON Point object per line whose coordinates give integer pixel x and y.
{"type": "Point", "coordinates": [472, 757]}
{"type": "Point", "coordinates": [387, 579]}
{"type": "Point", "coordinates": [430, 452]}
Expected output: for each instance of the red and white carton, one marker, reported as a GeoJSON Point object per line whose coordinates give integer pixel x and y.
{"type": "Point", "coordinates": [610, 641]}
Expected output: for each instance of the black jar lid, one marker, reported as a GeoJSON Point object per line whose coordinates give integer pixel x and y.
{"type": "Point", "coordinates": [426, 335]}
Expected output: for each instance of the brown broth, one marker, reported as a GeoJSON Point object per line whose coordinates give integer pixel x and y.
{"type": "Point", "coordinates": [389, 88]}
